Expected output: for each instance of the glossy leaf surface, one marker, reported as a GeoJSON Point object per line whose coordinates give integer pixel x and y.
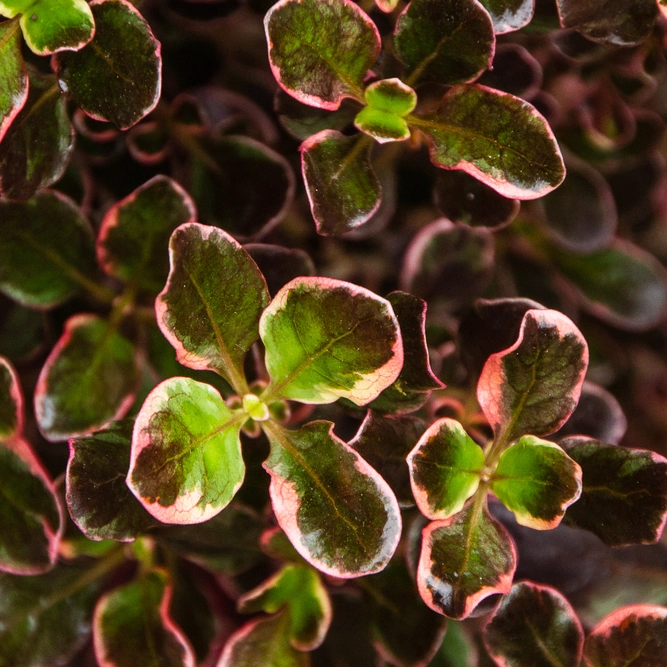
{"type": "Point", "coordinates": [186, 462]}
{"type": "Point", "coordinates": [117, 77]}
{"type": "Point", "coordinates": [13, 75]}
{"type": "Point", "coordinates": [444, 42]}
{"type": "Point", "coordinates": [342, 187]}
{"type": "Point", "coordinates": [538, 481]}
{"type": "Point", "coordinates": [445, 468]}
{"type": "Point", "coordinates": [320, 50]}
{"type": "Point", "coordinates": [388, 101]}
{"type": "Point", "coordinates": [495, 137]}
{"type": "Point", "coordinates": [134, 234]}
{"type": "Point", "coordinates": [99, 501]}
{"type": "Point", "coordinates": [339, 514]}
{"type": "Point", "coordinates": [37, 145]}
{"type": "Point", "coordinates": [463, 560]}
{"type": "Point", "coordinates": [326, 339]}
{"type": "Point", "coordinates": [89, 379]}
{"type": "Point", "coordinates": [46, 250]}
{"type": "Point", "coordinates": [210, 308]}
{"type": "Point", "coordinates": [132, 626]}
{"type": "Point", "coordinates": [534, 626]}
{"type": "Point", "coordinates": [509, 15]}
{"type": "Point", "coordinates": [628, 484]}
{"type": "Point", "coordinates": [11, 402]}
{"type": "Point", "coordinates": [533, 386]}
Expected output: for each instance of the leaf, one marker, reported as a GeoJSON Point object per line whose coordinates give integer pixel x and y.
{"type": "Point", "coordinates": [43, 621]}
{"type": "Point", "coordinates": [533, 386]}
{"type": "Point", "coordinates": [132, 626]}
{"type": "Point", "coordinates": [321, 50]}
{"type": "Point", "coordinates": [339, 514]}
{"type": "Point", "coordinates": [50, 26]}
{"type": "Point", "coordinates": [445, 467]}
{"type": "Point", "coordinates": [21, 331]}
{"type": "Point", "coordinates": [624, 495]}
{"type": "Point", "coordinates": [134, 235]}
{"type": "Point", "coordinates": [515, 71]}
{"type": "Point", "coordinates": [463, 560]}
{"type": "Point", "coordinates": [342, 187]}
{"type": "Point", "coordinates": [443, 41]}
{"type": "Point", "coordinates": [210, 307]}
{"type": "Point", "coordinates": [89, 379]}
{"type": "Point", "coordinates": [537, 481]}
{"type": "Point", "coordinates": [13, 75]}
{"type": "Point", "coordinates": [46, 250]}
{"type": "Point", "coordinates": [416, 380]}
{"type": "Point", "coordinates": [37, 145]}
{"type": "Point", "coordinates": [535, 626]}
{"type": "Point", "coordinates": [11, 402]}
{"type": "Point", "coordinates": [300, 589]}
{"type": "Point", "coordinates": [622, 24]}
{"type": "Point", "coordinates": [279, 265]}
{"type": "Point", "coordinates": [186, 463]}
{"type": "Point", "coordinates": [495, 137]}
{"type": "Point", "coordinates": [388, 102]}
{"type": "Point", "coordinates": [633, 636]}
{"type": "Point", "coordinates": [509, 15]}
{"type": "Point", "coordinates": [117, 77]}
{"type": "Point", "coordinates": [326, 339]}
{"type": "Point", "coordinates": [99, 501]}
{"type": "Point", "coordinates": [263, 641]}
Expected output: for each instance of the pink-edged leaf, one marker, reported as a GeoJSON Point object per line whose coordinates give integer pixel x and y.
{"type": "Point", "coordinates": [444, 41]}
{"type": "Point", "coordinates": [326, 339]}
{"type": "Point", "coordinates": [11, 402]}
{"type": "Point", "coordinates": [509, 15]}
{"type": "Point", "coordinates": [321, 50]}
{"type": "Point", "coordinates": [445, 467]}
{"type": "Point", "coordinates": [148, 143]}
{"type": "Point", "coordinates": [534, 626]}
{"type": "Point", "coordinates": [533, 386]}
{"type": "Point", "coordinates": [495, 137]}
{"type": "Point", "coordinates": [210, 307]}
{"type": "Point", "coordinates": [300, 589]}
{"type": "Point", "coordinates": [118, 76]}
{"type": "Point", "coordinates": [343, 190]}
{"type": "Point", "coordinates": [624, 495]}
{"type": "Point", "coordinates": [13, 75]}
{"type": "Point", "coordinates": [537, 481]}
{"type": "Point", "coordinates": [632, 636]}
{"type": "Point", "coordinates": [339, 514]}
{"type": "Point", "coordinates": [134, 235]}
{"type": "Point", "coordinates": [89, 379]}
{"type": "Point", "coordinates": [185, 463]}
{"type": "Point", "coordinates": [132, 626]}
{"type": "Point", "coordinates": [464, 559]}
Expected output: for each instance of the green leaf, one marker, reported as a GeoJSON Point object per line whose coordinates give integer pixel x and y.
{"type": "Point", "coordinates": [89, 379]}
{"type": "Point", "coordinates": [13, 75]}
{"type": "Point", "coordinates": [210, 308]}
{"type": "Point", "coordinates": [339, 514]}
{"type": "Point", "coordinates": [495, 137]}
{"type": "Point", "coordinates": [624, 495]}
{"type": "Point", "coordinates": [300, 589]}
{"type": "Point", "coordinates": [99, 501]}
{"type": "Point", "coordinates": [388, 102]}
{"type": "Point", "coordinates": [535, 626]}
{"type": "Point", "coordinates": [264, 641]}
{"type": "Point", "coordinates": [321, 50]}
{"type": "Point", "coordinates": [444, 41]}
{"type": "Point", "coordinates": [50, 26]}
{"type": "Point", "coordinates": [10, 8]}
{"type": "Point", "coordinates": [463, 560]}
{"type": "Point", "coordinates": [21, 331]}
{"type": "Point", "coordinates": [533, 386]}
{"type": "Point", "coordinates": [445, 467]}
{"type": "Point", "coordinates": [37, 145]}
{"type": "Point", "coordinates": [132, 626]}
{"type": "Point", "coordinates": [117, 77]}
{"type": "Point", "coordinates": [46, 250]}
{"type": "Point", "coordinates": [326, 339]}
{"type": "Point", "coordinates": [509, 15]}
{"type": "Point", "coordinates": [43, 621]}
{"type": "Point", "coordinates": [622, 24]}
{"type": "Point", "coordinates": [633, 636]}
{"type": "Point", "coordinates": [11, 402]}
{"type": "Point", "coordinates": [537, 481]}
{"type": "Point", "coordinates": [342, 187]}
{"type": "Point", "coordinates": [186, 462]}
{"type": "Point", "coordinates": [134, 235]}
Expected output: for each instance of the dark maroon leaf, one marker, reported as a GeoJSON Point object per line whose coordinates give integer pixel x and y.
{"type": "Point", "coordinates": [514, 71]}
